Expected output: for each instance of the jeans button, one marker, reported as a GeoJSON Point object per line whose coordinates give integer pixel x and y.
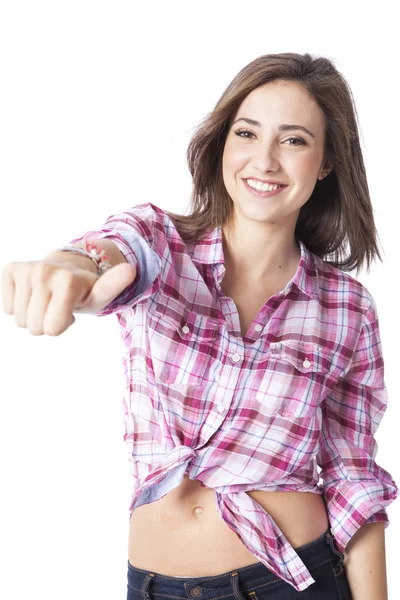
{"type": "Point", "coordinates": [196, 591]}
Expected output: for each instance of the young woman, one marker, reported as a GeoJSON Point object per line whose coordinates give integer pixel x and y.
{"type": "Point", "coordinates": [250, 358]}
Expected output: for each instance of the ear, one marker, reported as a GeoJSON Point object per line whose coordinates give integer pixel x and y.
{"type": "Point", "coordinates": [325, 170]}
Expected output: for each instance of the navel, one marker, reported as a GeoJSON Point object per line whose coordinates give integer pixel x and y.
{"type": "Point", "coordinates": [198, 510]}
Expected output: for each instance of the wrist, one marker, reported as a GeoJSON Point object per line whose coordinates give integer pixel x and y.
{"type": "Point", "coordinates": [93, 252]}
{"type": "Point", "coordinates": [73, 259]}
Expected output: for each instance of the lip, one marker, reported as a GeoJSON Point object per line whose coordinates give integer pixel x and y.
{"type": "Point", "coordinates": [264, 180]}
{"type": "Point", "coordinates": [262, 194]}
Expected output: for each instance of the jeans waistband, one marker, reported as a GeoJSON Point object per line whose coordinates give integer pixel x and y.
{"type": "Point", "coordinates": [313, 554]}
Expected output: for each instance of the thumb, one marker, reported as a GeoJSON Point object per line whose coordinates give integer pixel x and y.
{"type": "Point", "coordinates": [107, 287]}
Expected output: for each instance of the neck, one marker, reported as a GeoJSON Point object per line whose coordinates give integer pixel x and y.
{"type": "Point", "coordinates": [259, 257]}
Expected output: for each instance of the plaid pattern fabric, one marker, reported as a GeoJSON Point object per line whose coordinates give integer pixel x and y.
{"type": "Point", "coordinates": [304, 388]}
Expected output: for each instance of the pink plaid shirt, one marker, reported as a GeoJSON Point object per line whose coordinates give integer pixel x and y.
{"type": "Point", "coordinates": [304, 387]}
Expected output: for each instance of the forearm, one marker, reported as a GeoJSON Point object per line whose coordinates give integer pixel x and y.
{"type": "Point", "coordinates": [365, 563]}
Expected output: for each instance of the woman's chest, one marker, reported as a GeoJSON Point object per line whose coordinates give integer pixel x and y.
{"type": "Point", "coordinates": [213, 354]}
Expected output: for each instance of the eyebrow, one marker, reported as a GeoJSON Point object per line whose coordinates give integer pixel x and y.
{"type": "Point", "coordinates": [280, 128]}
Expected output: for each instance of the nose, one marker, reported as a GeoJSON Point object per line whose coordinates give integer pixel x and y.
{"type": "Point", "coordinates": [265, 158]}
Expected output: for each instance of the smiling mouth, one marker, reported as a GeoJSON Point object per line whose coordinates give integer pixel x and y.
{"type": "Point", "coordinates": [262, 194]}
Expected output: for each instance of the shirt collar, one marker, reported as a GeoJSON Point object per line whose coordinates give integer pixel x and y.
{"type": "Point", "coordinates": [209, 250]}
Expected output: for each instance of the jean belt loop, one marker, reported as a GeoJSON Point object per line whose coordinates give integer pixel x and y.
{"type": "Point", "coordinates": [332, 544]}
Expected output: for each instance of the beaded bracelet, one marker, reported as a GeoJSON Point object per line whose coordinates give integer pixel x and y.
{"type": "Point", "coordinates": [97, 254]}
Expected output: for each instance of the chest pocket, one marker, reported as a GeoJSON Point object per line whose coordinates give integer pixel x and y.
{"type": "Point", "coordinates": [181, 343]}
{"type": "Point", "coordinates": [295, 380]}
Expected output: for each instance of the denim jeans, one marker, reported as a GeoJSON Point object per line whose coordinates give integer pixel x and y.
{"type": "Point", "coordinates": [254, 582]}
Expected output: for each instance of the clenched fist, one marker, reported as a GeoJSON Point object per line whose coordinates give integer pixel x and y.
{"type": "Point", "coordinates": [43, 295]}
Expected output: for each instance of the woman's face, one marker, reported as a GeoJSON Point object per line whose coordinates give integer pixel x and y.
{"type": "Point", "coordinates": [262, 151]}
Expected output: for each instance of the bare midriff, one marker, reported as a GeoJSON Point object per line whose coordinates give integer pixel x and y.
{"type": "Point", "coordinates": [183, 534]}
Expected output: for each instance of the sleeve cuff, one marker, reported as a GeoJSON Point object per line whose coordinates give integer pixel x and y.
{"type": "Point", "coordinates": [351, 504]}
{"type": "Point", "coordinates": [124, 247]}
{"type": "Point", "coordinates": [138, 253]}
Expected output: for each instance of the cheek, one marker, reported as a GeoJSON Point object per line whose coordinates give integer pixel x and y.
{"type": "Point", "coordinates": [309, 162]}
{"type": "Point", "coordinates": [234, 159]}
{"type": "Point", "coordinates": [301, 167]}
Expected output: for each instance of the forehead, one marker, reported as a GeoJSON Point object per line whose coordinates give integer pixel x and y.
{"type": "Point", "coordinates": [282, 102]}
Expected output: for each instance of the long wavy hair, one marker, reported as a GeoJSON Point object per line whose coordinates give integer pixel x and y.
{"type": "Point", "coordinates": [337, 222]}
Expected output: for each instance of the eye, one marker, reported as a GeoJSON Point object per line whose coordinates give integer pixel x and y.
{"type": "Point", "coordinates": [297, 139]}
{"type": "Point", "coordinates": [300, 140]}
{"type": "Point", "coordinates": [240, 131]}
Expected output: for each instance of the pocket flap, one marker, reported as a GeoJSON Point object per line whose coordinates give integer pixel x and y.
{"type": "Point", "coordinates": [305, 356]}
{"type": "Point", "coordinates": [188, 323]}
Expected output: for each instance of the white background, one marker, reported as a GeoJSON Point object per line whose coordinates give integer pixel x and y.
{"type": "Point", "coordinates": [98, 102]}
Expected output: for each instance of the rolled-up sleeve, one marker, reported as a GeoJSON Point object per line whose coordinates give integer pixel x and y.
{"type": "Point", "coordinates": [356, 489]}
{"type": "Point", "coordinates": [136, 233]}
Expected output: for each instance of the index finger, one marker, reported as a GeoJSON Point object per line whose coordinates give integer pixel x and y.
{"type": "Point", "coordinates": [8, 289]}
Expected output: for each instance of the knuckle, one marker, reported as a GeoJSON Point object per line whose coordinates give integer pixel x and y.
{"type": "Point", "coordinates": [42, 270]}
{"type": "Point", "coordinates": [46, 273]}
{"type": "Point", "coordinates": [54, 326]}
{"type": "Point", "coordinates": [34, 325]}
{"type": "Point", "coordinates": [65, 279]}
{"type": "Point", "coordinates": [9, 267]}
{"type": "Point", "coordinates": [9, 276]}
{"type": "Point", "coordinates": [65, 275]}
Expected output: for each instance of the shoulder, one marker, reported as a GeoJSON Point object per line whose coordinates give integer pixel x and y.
{"type": "Point", "coordinates": [342, 288]}
{"type": "Point", "coordinates": [147, 219]}
{"type": "Point", "coordinates": [148, 213]}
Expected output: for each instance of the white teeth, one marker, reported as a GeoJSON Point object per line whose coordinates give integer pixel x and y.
{"type": "Point", "coordinates": [262, 187]}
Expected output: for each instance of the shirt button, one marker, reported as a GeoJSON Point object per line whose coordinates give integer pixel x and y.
{"type": "Point", "coordinates": [236, 357]}
{"type": "Point", "coordinates": [185, 329]}
{"type": "Point", "coordinates": [220, 408]}
{"type": "Point", "coordinates": [306, 363]}
{"type": "Point", "coordinates": [258, 327]}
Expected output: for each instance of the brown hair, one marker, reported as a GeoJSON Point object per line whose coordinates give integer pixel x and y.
{"type": "Point", "coordinates": [339, 211]}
